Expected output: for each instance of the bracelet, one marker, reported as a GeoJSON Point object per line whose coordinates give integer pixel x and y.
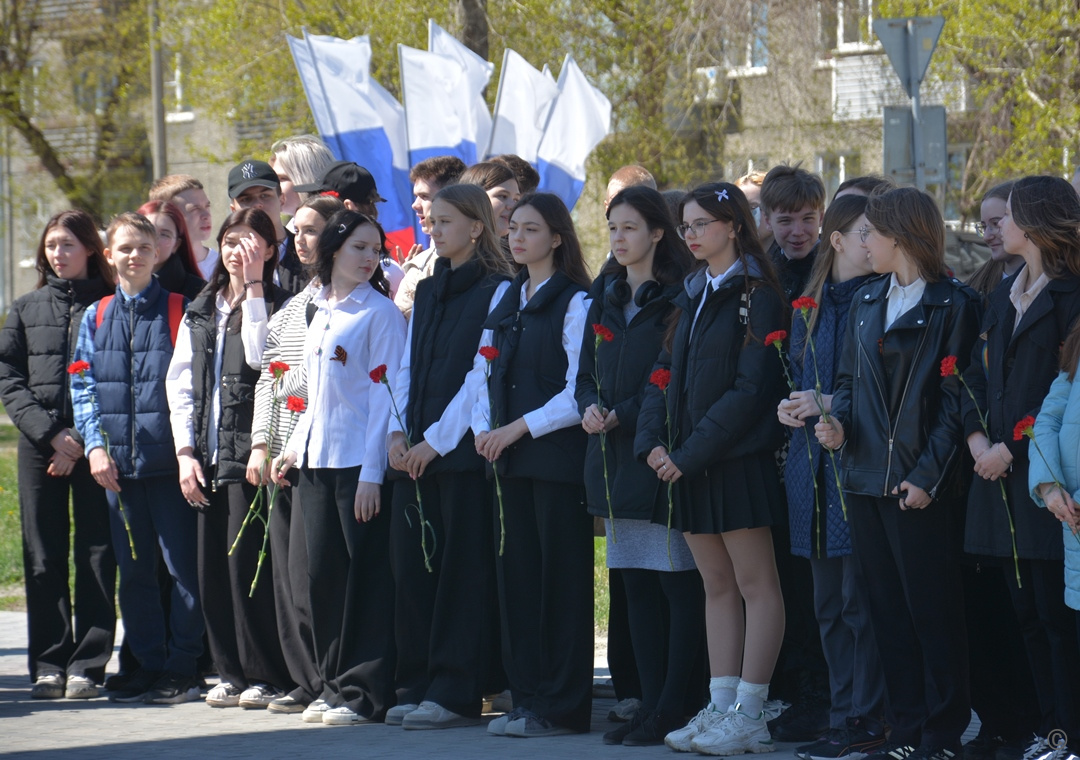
{"type": "Point", "coordinates": [249, 283]}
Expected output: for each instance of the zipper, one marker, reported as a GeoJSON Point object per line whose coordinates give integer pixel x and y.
{"type": "Point", "coordinates": [131, 353]}
{"type": "Point", "coordinates": [69, 413]}
{"type": "Point", "coordinates": [903, 399]}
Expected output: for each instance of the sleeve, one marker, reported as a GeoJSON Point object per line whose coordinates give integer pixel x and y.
{"type": "Point", "coordinates": [29, 415]}
{"type": "Point", "coordinates": [84, 388]}
{"type": "Point", "coordinates": [946, 431]}
{"type": "Point", "coordinates": [561, 410]}
{"type": "Point", "coordinates": [974, 376]}
{"type": "Point", "coordinates": [179, 389]}
{"type": "Point", "coordinates": [260, 420]}
{"type": "Point", "coordinates": [653, 415]}
{"type": "Point", "coordinates": [386, 334]}
{"type": "Point", "coordinates": [750, 398]}
{"type": "Point", "coordinates": [253, 330]}
{"type": "Point", "coordinates": [1046, 468]}
{"type": "Point", "coordinates": [481, 411]}
{"type": "Point", "coordinates": [406, 292]}
{"type": "Point", "coordinates": [845, 373]}
{"type": "Point", "coordinates": [402, 383]}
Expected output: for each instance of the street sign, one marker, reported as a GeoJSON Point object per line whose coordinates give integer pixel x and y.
{"type": "Point", "coordinates": [898, 144]}
{"type": "Point", "coordinates": [910, 43]}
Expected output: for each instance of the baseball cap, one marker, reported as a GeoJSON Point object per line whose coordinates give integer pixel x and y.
{"type": "Point", "coordinates": [349, 180]}
{"type": "Point", "coordinates": [252, 173]}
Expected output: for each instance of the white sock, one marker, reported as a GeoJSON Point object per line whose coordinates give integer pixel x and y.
{"type": "Point", "coordinates": [722, 690]}
{"type": "Point", "coordinates": [751, 698]}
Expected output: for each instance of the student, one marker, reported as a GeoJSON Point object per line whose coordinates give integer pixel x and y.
{"type": "Point", "coordinates": [339, 446]}
{"type": "Point", "coordinates": [903, 430]}
{"type": "Point", "coordinates": [818, 523]}
{"type": "Point", "coordinates": [190, 197]}
{"type": "Point", "coordinates": [136, 465]}
{"type": "Point", "coordinates": [793, 201]}
{"type": "Point", "coordinates": [632, 298]}
{"type": "Point", "coordinates": [298, 160]}
{"type": "Point", "coordinates": [176, 269]}
{"type": "Point", "coordinates": [750, 184]}
{"type": "Point", "coordinates": [725, 383]}
{"type": "Point", "coordinates": [210, 387]}
{"type": "Point", "coordinates": [288, 545]}
{"type": "Point", "coordinates": [527, 424]}
{"type": "Point", "coordinates": [428, 178]}
{"type": "Point", "coordinates": [1012, 367]}
{"type": "Point", "coordinates": [68, 645]}
{"type": "Point", "coordinates": [865, 186]}
{"type": "Point", "coordinates": [441, 633]}
{"type": "Point", "coordinates": [527, 177]}
{"type": "Point", "coordinates": [1001, 265]}
{"type": "Point", "coordinates": [255, 185]}
{"type": "Point", "coordinates": [500, 184]}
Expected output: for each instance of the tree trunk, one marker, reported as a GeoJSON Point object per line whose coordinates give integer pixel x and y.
{"type": "Point", "coordinates": [474, 25]}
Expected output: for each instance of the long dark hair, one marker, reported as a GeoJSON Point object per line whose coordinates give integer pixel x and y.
{"type": "Point", "coordinates": [672, 259]}
{"type": "Point", "coordinates": [81, 225]}
{"type": "Point", "coordinates": [338, 229]}
{"type": "Point", "coordinates": [185, 251]}
{"type": "Point", "coordinates": [568, 258]}
{"type": "Point", "coordinates": [259, 221]}
{"type": "Point", "coordinates": [1047, 209]}
{"type": "Point", "coordinates": [840, 216]}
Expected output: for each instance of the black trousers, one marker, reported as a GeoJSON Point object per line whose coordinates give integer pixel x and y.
{"type": "Point", "coordinates": [916, 610]}
{"type": "Point", "coordinates": [546, 599]}
{"type": "Point", "coordinates": [620, 647]}
{"type": "Point", "coordinates": [292, 602]}
{"type": "Point", "coordinates": [441, 618]}
{"type": "Point", "coordinates": [1048, 628]}
{"type": "Point", "coordinates": [76, 641]}
{"type": "Point", "coordinates": [351, 592]}
{"type": "Point", "coordinates": [242, 629]}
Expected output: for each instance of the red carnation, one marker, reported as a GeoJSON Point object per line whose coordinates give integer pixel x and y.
{"type": "Point", "coordinates": [489, 352]}
{"type": "Point", "coordinates": [378, 375]}
{"type": "Point", "coordinates": [77, 368]}
{"type": "Point", "coordinates": [295, 404]}
{"type": "Point", "coordinates": [804, 303]}
{"type": "Point", "coordinates": [776, 338]}
{"type": "Point", "coordinates": [660, 378]}
{"type": "Point", "coordinates": [1024, 427]}
{"type": "Point", "coordinates": [948, 367]}
{"type": "Point", "coordinates": [277, 369]}
{"type": "Point", "coordinates": [603, 333]}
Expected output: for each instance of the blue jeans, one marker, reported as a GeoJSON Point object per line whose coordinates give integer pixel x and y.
{"type": "Point", "coordinates": [159, 516]}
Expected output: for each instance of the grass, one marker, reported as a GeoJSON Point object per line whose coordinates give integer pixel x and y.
{"type": "Point", "coordinates": [11, 565]}
{"type": "Point", "coordinates": [601, 601]}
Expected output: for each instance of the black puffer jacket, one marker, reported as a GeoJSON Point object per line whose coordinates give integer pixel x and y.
{"type": "Point", "coordinates": [902, 419]}
{"type": "Point", "coordinates": [36, 346]}
{"type": "Point", "coordinates": [175, 279]}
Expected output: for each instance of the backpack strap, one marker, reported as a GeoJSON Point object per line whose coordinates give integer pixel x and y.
{"type": "Point", "coordinates": [103, 304]}
{"type": "Point", "coordinates": [176, 315]}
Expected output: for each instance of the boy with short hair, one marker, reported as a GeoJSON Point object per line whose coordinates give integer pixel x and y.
{"type": "Point", "coordinates": [793, 201]}
{"type": "Point", "coordinates": [255, 184]}
{"type": "Point", "coordinates": [189, 196]}
{"type": "Point", "coordinates": [122, 413]}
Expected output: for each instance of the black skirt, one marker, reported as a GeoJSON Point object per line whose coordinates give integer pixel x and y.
{"type": "Point", "coordinates": [733, 494]}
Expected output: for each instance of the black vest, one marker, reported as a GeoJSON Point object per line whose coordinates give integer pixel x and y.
{"type": "Point", "coordinates": [448, 320]}
{"type": "Point", "coordinates": [531, 369]}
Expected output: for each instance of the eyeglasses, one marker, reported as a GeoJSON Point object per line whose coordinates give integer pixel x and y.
{"type": "Point", "coordinates": [698, 228]}
{"type": "Point", "coordinates": [993, 226]}
{"type": "Point", "coordinates": [864, 233]}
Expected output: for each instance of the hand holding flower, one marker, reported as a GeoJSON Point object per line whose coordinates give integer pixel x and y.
{"type": "Point", "coordinates": [829, 434]}
{"type": "Point", "coordinates": [103, 469]}
{"type": "Point", "coordinates": [281, 466]}
{"type": "Point", "coordinates": [397, 446]}
{"type": "Point", "coordinates": [257, 467]}
{"type": "Point", "coordinates": [417, 459]}
{"type": "Point", "coordinates": [594, 421]}
{"type": "Point", "coordinates": [993, 462]}
{"type": "Point", "coordinates": [497, 440]}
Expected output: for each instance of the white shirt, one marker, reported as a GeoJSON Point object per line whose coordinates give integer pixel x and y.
{"type": "Point", "coordinates": [206, 266]}
{"type": "Point", "coordinates": [179, 384]}
{"type": "Point", "coordinates": [446, 433]}
{"type": "Point", "coordinates": [902, 298]}
{"type": "Point", "coordinates": [561, 410]}
{"type": "Point", "coordinates": [346, 419]}
{"type": "Point", "coordinates": [715, 282]}
{"type": "Point", "coordinates": [1021, 293]}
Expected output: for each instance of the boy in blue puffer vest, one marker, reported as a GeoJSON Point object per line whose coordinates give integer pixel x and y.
{"type": "Point", "coordinates": [122, 414]}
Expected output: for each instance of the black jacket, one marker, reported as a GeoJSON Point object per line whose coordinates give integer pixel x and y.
{"type": "Point", "coordinates": [1010, 373]}
{"type": "Point", "coordinates": [724, 388]}
{"type": "Point", "coordinates": [175, 279]}
{"type": "Point", "coordinates": [625, 364]}
{"type": "Point", "coordinates": [292, 274]}
{"type": "Point", "coordinates": [36, 347]}
{"type": "Point", "coordinates": [901, 418]}
{"type": "Point", "coordinates": [237, 384]}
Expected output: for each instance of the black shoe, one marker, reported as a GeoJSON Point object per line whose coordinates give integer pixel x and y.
{"type": "Point", "coordinates": [933, 753]}
{"type": "Point", "coordinates": [805, 721]}
{"type": "Point", "coordinates": [142, 682]}
{"type": "Point", "coordinates": [892, 751]}
{"type": "Point", "coordinates": [857, 739]}
{"type": "Point", "coordinates": [653, 729]}
{"type": "Point", "coordinates": [120, 681]}
{"type": "Point", "coordinates": [172, 689]}
{"type": "Point", "coordinates": [618, 734]}
{"type": "Point", "coordinates": [983, 747]}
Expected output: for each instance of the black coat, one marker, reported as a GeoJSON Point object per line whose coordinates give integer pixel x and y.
{"type": "Point", "coordinates": [1010, 374]}
{"type": "Point", "coordinates": [36, 347]}
{"type": "Point", "coordinates": [292, 274]}
{"type": "Point", "coordinates": [901, 418]}
{"type": "Point", "coordinates": [175, 279]}
{"type": "Point", "coordinates": [625, 364]}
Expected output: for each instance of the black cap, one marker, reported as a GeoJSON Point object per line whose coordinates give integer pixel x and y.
{"type": "Point", "coordinates": [347, 179]}
{"type": "Point", "coordinates": [252, 173]}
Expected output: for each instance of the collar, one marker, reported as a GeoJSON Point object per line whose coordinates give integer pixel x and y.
{"type": "Point", "coordinates": [695, 282]}
{"type": "Point", "coordinates": [357, 295]}
{"type": "Point", "coordinates": [913, 291]}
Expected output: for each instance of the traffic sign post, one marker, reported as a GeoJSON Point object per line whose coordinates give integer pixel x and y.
{"type": "Point", "coordinates": [910, 43]}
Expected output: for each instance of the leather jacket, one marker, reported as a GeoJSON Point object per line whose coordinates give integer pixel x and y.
{"type": "Point", "coordinates": [902, 419]}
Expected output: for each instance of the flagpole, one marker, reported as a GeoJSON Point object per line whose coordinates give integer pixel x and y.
{"type": "Point", "coordinates": [498, 98]}
{"type": "Point", "coordinates": [404, 104]}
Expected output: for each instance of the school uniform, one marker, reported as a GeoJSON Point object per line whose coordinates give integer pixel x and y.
{"type": "Point", "coordinates": [440, 632]}
{"type": "Point", "coordinates": [340, 440]}
{"type": "Point", "coordinates": [545, 573]}
{"type": "Point", "coordinates": [902, 421]}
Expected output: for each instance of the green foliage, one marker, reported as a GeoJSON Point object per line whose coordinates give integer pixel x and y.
{"type": "Point", "coordinates": [11, 564]}
{"type": "Point", "coordinates": [601, 599]}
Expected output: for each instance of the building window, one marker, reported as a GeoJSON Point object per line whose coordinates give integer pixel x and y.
{"type": "Point", "coordinates": [836, 169]}
{"type": "Point", "coordinates": [845, 24]}
{"type": "Point", "coordinates": [747, 47]}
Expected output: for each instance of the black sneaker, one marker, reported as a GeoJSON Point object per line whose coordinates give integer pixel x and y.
{"type": "Point", "coordinates": [932, 753]}
{"type": "Point", "coordinates": [617, 734]}
{"type": "Point", "coordinates": [859, 738]}
{"type": "Point", "coordinates": [120, 681]}
{"type": "Point", "coordinates": [652, 730]}
{"type": "Point", "coordinates": [892, 751]}
{"type": "Point", "coordinates": [172, 689]}
{"type": "Point", "coordinates": [142, 682]}
{"type": "Point", "coordinates": [832, 736]}
{"type": "Point", "coordinates": [983, 747]}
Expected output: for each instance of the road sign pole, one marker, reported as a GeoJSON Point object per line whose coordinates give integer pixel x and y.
{"type": "Point", "coordinates": [916, 121]}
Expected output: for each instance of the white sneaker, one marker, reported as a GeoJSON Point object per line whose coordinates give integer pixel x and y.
{"type": "Point", "coordinates": [223, 695]}
{"type": "Point", "coordinates": [681, 740]}
{"type": "Point", "coordinates": [735, 734]}
{"type": "Point", "coordinates": [258, 697]}
{"type": "Point", "coordinates": [343, 716]}
{"type": "Point", "coordinates": [313, 713]}
{"type": "Point", "coordinates": [395, 715]}
{"type": "Point", "coordinates": [432, 715]}
{"type": "Point", "coordinates": [80, 687]}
